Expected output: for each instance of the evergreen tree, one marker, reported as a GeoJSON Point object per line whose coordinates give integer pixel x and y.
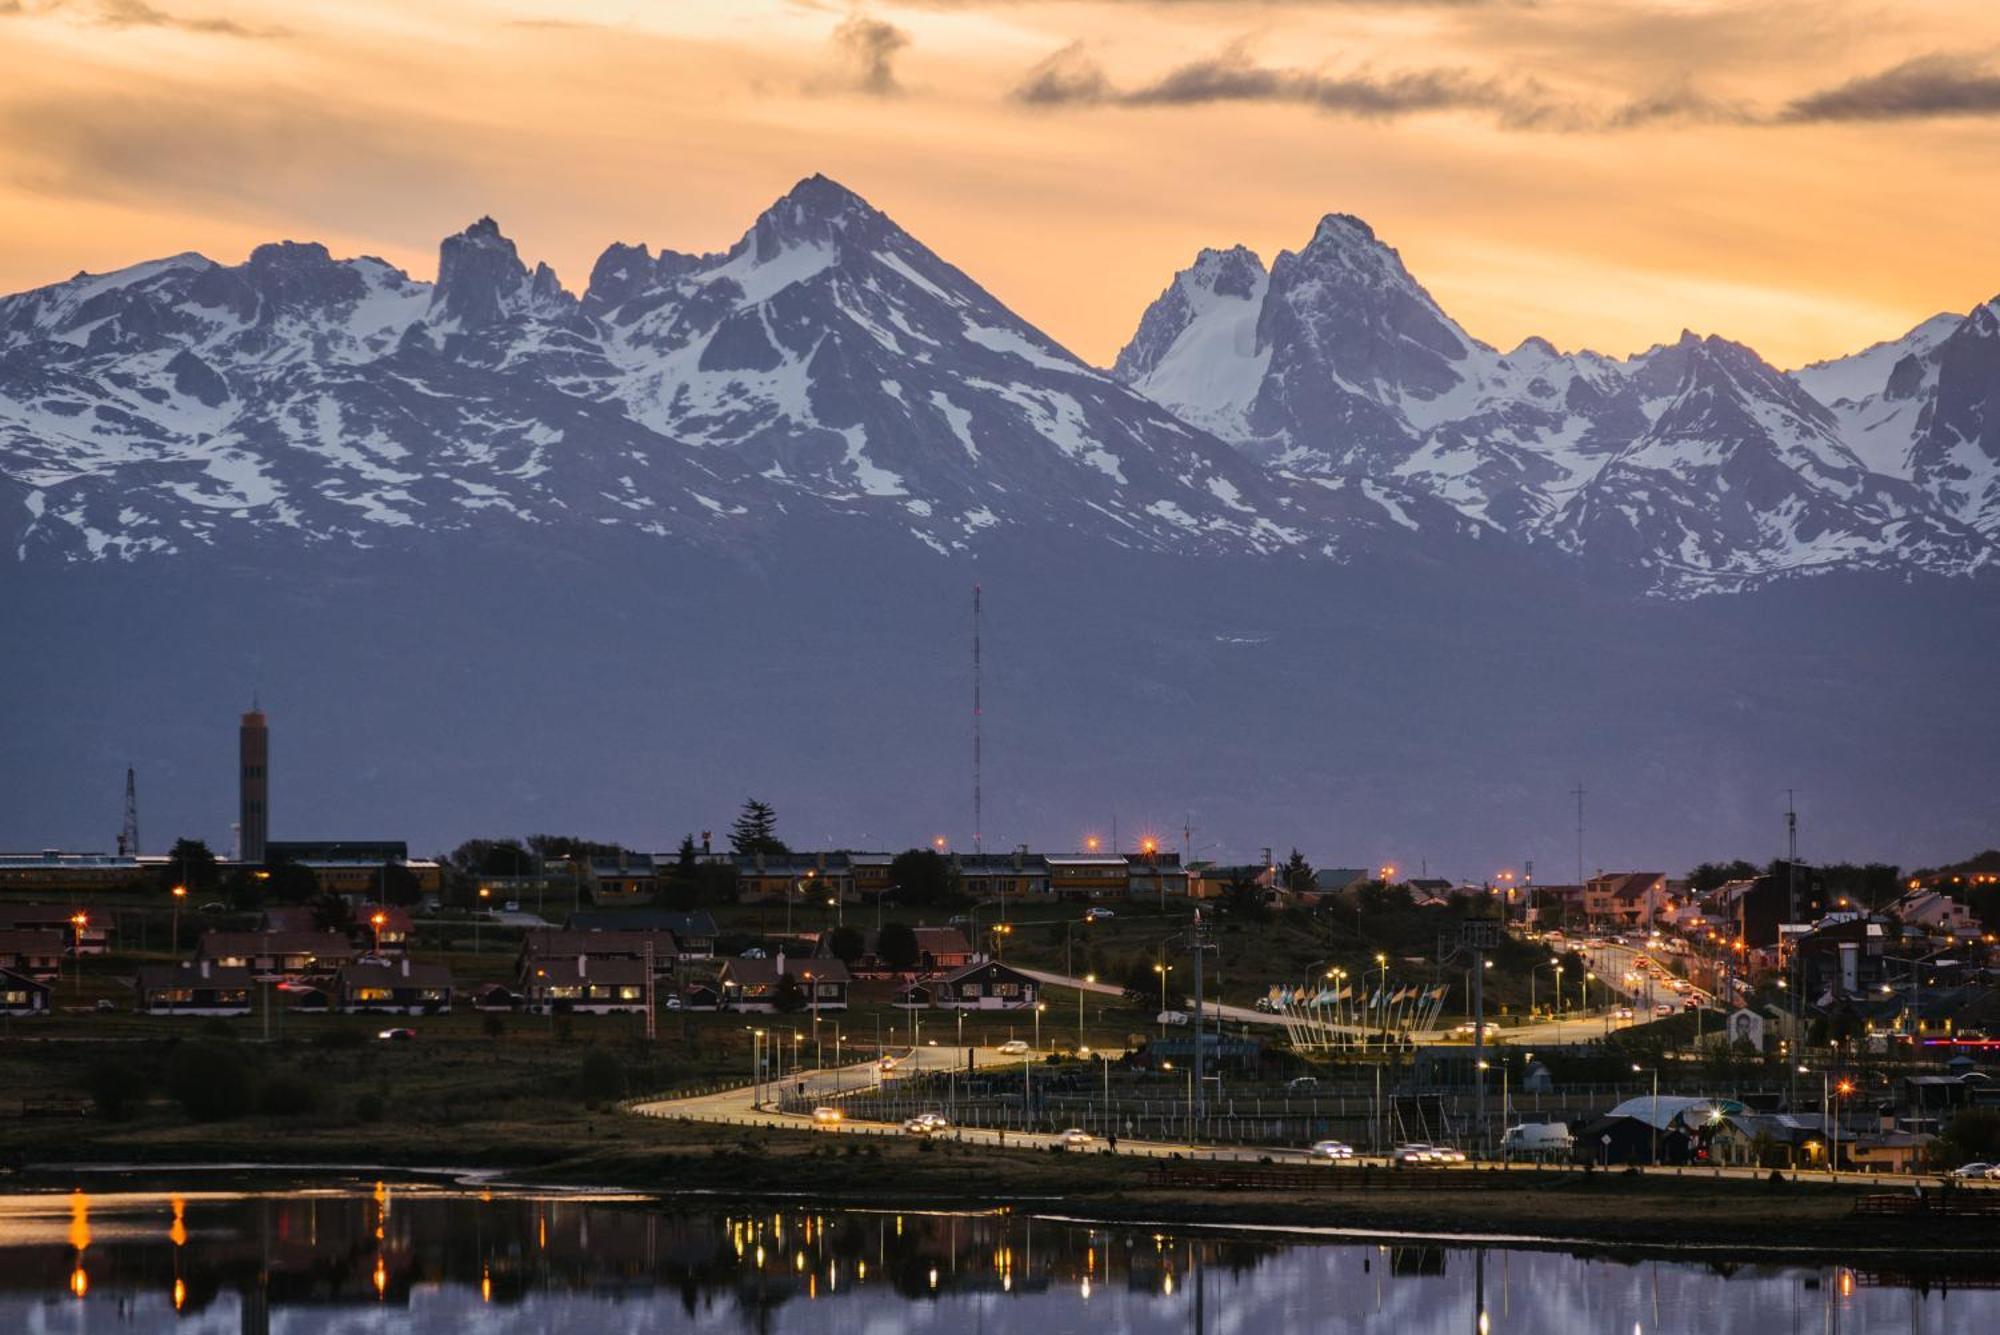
{"type": "Point", "coordinates": [1298, 873]}
{"type": "Point", "coordinates": [790, 997]}
{"type": "Point", "coordinates": [847, 944]}
{"type": "Point", "coordinates": [192, 865]}
{"type": "Point", "coordinates": [756, 830]}
{"type": "Point", "coordinates": [896, 945]}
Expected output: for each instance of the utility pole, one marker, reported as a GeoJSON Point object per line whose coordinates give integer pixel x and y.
{"type": "Point", "coordinates": [128, 834]}
{"type": "Point", "coordinates": [1198, 946]}
{"type": "Point", "coordinates": [1578, 793]}
{"type": "Point", "coordinates": [652, 1012]}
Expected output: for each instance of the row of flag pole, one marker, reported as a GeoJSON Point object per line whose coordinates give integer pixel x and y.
{"type": "Point", "coordinates": [1325, 1018]}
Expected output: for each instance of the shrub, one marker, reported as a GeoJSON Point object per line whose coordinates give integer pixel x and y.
{"type": "Point", "coordinates": [288, 1094]}
{"type": "Point", "coordinates": [602, 1077]}
{"type": "Point", "coordinates": [210, 1081]}
{"type": "Point", "coordinates": [116, 1088]}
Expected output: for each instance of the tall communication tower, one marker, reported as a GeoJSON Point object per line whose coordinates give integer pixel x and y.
{"type": "Point", "coordinates": [1577, 792]}
{"type": "Point", "coordinates": [128, 834]}
{"type": "Point", "coordinates": [978, 760]}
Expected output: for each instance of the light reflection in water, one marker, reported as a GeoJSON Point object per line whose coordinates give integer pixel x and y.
{"type": "Point", "coordinates": [517, 1263]}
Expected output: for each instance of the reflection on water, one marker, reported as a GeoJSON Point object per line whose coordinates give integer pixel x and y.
{"type": "Point", "coordinates": [382, 1257]}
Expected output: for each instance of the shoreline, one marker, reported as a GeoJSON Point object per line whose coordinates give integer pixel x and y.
{"type": "Point", "coordinates": [1603, 1215]}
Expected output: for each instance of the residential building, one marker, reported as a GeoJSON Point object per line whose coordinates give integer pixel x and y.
{"type": "Point", "coordinates": [629, 945]}
{"type": "Point", "coordinates": [593, 985]}
{"type": "Point", "coordinates": [1935, 913]}
{"type": "Point", "coordinates": [393, 987]}
{"type": "Point", "coordinates": [276, 952]}
{"type": "Point", "coordinates": [621, 877]}
{"type": "Point", "coordinates": [1087, 875]}
{"type": "Point", "coordinates": [996, 876]}
{"type": "Point", "coordinates": [53, 872]}
{"type": "Point", "coordinates": [989, 985]}
{"type": "Point", "coordinates": [22, 995]}
{"type": "Point", "coordinates": [939, 950]}
{"type": "Point", "coordinates": [751, 984]}
{"type": "Point", "coordinates": [195, 987]}
{"type": "Point", "coordinates": [92, 936]}
{"type": "Point", "coordinates": [694, 933]}
{"type": "Point", "coordinates": [37, 953]}
{"type": "Point", "coordinates": [1155, 875]}
{"type": "Point", "coordinates": [1626, 898]}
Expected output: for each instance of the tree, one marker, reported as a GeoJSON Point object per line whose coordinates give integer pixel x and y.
{"type": "Point", "coordinates": [790, 998]}
{"type": "Point", "coordinates": [756, 830]}
{"type": "Point", "coordinates": [896, 946]}
{"type": "Point", "coordinates": [400, 885]}
{"type": "Point", "coordinates": [210, 1081]}
{"type": "Point", "coordinates": [1243, 899]}
{"type": "Point", "coordinates": [847, 944]}
{"type": "Point", "coordinates": [116, 1087]}
{"type": "Point", "coordinates": [602, 1077]}
{"type": "Point", "coordinates": [289, 883]}
{"type": "Point", "coordinates": [192, 865]}
{"type": "Point", "coordinates": [1298, 874]}
{"type": "Point", "coordinates": [922, 877]}
{"type": "Point", "coordinates": [1709, 875]}
{"type": "Point", "coordinates": [331, 913]}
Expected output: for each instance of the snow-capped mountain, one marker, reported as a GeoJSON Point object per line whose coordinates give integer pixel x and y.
{"type": "Point", "coordinates": [1694, 461]}
{"type": "Point", "coordinates": [828, 362]}
{"type": "Point", "coordinates": [829, 365]}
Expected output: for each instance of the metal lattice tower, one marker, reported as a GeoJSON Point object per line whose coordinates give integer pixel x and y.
{"type": "Point", "coordinates": [128, 834]}
{"type": "Point", "coordinates": [978, 723]}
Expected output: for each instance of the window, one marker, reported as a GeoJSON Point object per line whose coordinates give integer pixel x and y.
{"type": "Point", "coordinates": [371, 994]}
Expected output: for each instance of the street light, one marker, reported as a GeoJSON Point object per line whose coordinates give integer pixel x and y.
{"type": "Point", "coordinates": [79, 920]}
{"type": "Point", "coordinates": [378, 920]}
{"type": "Point", "coordinates": [1088, 978]}
{"type": "Point", "coordinates": [479, 916]}
{"type": "Point", "coordinates": [1040, 1006]}
{"type": "Point", "coordinates": [180, 897]}
{"type": "Point", "coordinates": [1654, 1120]}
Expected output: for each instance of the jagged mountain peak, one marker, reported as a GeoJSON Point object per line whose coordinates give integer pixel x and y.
{"type": "Point", "coordinates": [482, 281]}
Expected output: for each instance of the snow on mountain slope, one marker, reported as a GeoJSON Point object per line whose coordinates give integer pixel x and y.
{"type": "Point", "coordinates": [1355, 370]}
{"type": "Point", "coordinates": [1955, 456]}
{"type": "Point", "coordinates": [827, 363]}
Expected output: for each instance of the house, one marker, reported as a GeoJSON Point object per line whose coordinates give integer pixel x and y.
{"type": "Point", "coordinates": [1155, 875]}
{"type": "Point", "coordinates": [36, 953]}
{"type": "Point", "coordinates": [751, 984]}
{"type": "Point", "coordinates": [1935, 914]}
{"type": "Point", "coordinates": [388, 929]}
{"type": "Point", "coordinates": [195, 987]}
{"type": "Point", "coordinates": [694, 933]}
{"type": "Point", "coordinates": [1626, 898]}
{"type": "Point", "coordinates": [22, 995]}
{"type": "Point", "coordinates": [83, 932]}
{"type": "Point", "coordinates": [1335, 880]}
{"type": "Point", "coordinates": [354, 869]}
{"type": "Point", "coordinates": [939, 950]}
{"type": "Point", "coordinates": [276, 952]}
{"type": "Point", "coordinates": [620, 876]}
{"type": "Point", "coordinates": [1768, 1140]}
{"type": "Point", "coordinates": [1887, 1151]}
{"type": "Point", "coordinates": [989, 985]}
{"type": "Point", "coordinates": [1214, 880]}
{"type": "Point", "coordinates": [1087, 875]}
{"type": "Point", "coordinates": [804, 877]}
{"type": "Point", "coordinates": [593, 986]}
{"type": "Point", "coordinates": [993, 876]}
{"type": "Point", "coordinates": [54, 872]}
{"type": "Point", "coordinates": [629, 944]}
{"type": "Point", "coordinates": [403, 987]}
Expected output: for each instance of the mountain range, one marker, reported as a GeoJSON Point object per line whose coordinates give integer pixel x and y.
{"type": "Point", "coordinates": [1308, 563]}
{"type": "Point", "coordinates": [829, 363]}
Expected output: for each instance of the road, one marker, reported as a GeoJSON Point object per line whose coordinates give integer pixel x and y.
{"type": "Point", "coordinates": [735, 1107]}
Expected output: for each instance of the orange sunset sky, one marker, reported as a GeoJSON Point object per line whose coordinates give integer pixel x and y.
{"type": "Point", "coordinates": [1809, 176]}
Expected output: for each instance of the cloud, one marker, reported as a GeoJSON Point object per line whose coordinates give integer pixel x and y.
{"type": "Point", "coordinates": [1070, 77]}
{"type": "Point", "coordinates": [867, 49]}
{"type": "Point", "coordinates": [138, 14]}
{"type": "Point", "coordinates": [1934, 85]}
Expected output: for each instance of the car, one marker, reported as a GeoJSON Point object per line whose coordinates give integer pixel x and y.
{"type": "Point", "coordinates": [106, 1004]}
{"type": "Point", "coordinates": [1470, 1030]}
{"type": "Point", "coordinates": [1447, 1154]}
{"type": "Point", "coordinates": [1972, 1172]}
{"type": "Point", "coordinates": [1014, 1047]}
{"type": "Point", "coordinates": [888, 1064]}
{"type": "Point", "coordinates": [1413, 1155]}
{"type": "Point", "coordinates": [397, 1035]}
{"type": "Point", "coordinates": [1333, 1151]}
{"type": "Point", "coordinates": [1623, 1013]}
{"type": "Point", "coordinates": [1076, 1138]}
{"type": "Point", "coordinates": [938, 1121]}
{"type": "Point", "coordinates": [672, 1003]}
{"type": "Point", "coordinates": [1264, 1004]}
{"type": "Point", "coordinates": [756, 953]}
{"type": "Point", "coordinates": [1302, 1083]}
{"type": "Point", "coordinates": [1171, 1017]}
{"type": "Point", "coordinates": [1097, 915]}
{"type": "Point", "coordinates": [1663, 1008]}
{"type": "Point", "coordinates": [511, 906]}
{"type": "Point", "coordinates": [214, 906]}
{"type": "Point", "coordinates": [917, 1126]}
{"type": "Point", "coordinates": [825, 1116]}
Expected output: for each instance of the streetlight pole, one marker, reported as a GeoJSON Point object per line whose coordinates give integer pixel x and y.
{"type": "Point", "coordinates": [1040, 1006]}
{"type": "Point", "coordinates": [180, 895]}
{"type": "Point", "coordinates": [1088, 978]}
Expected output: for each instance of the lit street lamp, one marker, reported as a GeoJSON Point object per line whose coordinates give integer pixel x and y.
{"type": "Point", "coordinates": [1088, 978]}
{"type": "Point", "coordinates": [1040, 1006]}
{"type": "Point", "coordinates": [378, 920]}
{"type": "Point", "coordinates": [180, 897]}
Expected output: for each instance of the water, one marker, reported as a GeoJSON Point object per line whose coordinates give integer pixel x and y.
{"type": "Point", "coordinates": [357, 1257]}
